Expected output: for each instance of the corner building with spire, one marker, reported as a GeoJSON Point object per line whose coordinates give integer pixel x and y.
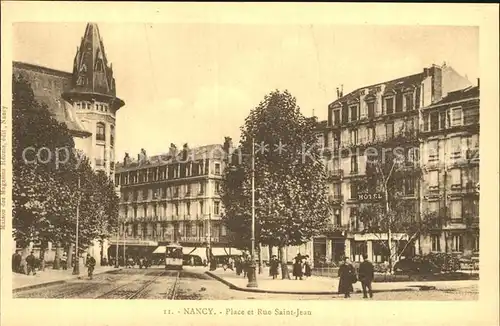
{"type": "Point", "coordinates": [85, 100]}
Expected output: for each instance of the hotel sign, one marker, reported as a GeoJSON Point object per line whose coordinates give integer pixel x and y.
{"type": "Point", "coordinates": [370, 196]}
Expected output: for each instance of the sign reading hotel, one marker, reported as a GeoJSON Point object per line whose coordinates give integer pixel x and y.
{"type": "Point", "coordinates": [370, 197]}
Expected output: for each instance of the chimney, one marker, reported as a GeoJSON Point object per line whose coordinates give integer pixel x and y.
{"type": "Point", "coordinates": [338, 93]}
{"type": "Point", "coordinates": [478, 82]}
{"type": "Point", "coordinates": [341, 90]}
{"type": "Point", "coordinates": [437, 83]}
{"type": "Point", "coordinates": [185, 149]}
{"type": "Point", "coordinates": [228, 145]}
{"type": "Point", "coordinates": [172, 151]}
{"type": "Point", "coordinates": [126, 159]}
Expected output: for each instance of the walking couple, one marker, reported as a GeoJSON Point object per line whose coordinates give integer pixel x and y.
{"type": "Point", "coordinates": [347, 276]}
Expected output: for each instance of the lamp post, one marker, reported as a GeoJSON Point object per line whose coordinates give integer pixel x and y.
{"type": "Point", "coordinates": [76, 266]}
{"type": "Point", "coordinates": [117, 244]}
{"type": "Point", "coordinates": [252, 277]}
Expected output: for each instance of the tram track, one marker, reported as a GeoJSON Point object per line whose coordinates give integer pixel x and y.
{"type": "Point", "coordinates": [119, 292]}
{"type": "Point", "coordinates": [171, 294]}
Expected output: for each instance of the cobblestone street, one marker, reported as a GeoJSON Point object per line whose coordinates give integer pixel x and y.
{"type": "Point", "coordinates": [156, 283]}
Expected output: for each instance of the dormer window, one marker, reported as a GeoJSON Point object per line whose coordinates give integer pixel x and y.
{"type": "Point", "coordinates": [354, 112]}
{"type": "Point", "coordinates": [408, 102]}
{"type": "Point", "coordinates": [456, 118]}
{"type": "Point", "coordinates": [78, 106]}
{"type": "Point", "coordinates": [99, 66]}
{"type": "Point", "coordinates": [345, 114]}
{"type": "Point", "coordinates": [399, 102]}
{"type": "Point", "coordinates": [371, 109]}
{"type": "Point", "coordinates": [389, 105]}
{"type": "Point", "coordinates": [336, 116]}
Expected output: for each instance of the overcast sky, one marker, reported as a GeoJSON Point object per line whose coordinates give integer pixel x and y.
{"type": "Point", "coordinates": [196, 83]}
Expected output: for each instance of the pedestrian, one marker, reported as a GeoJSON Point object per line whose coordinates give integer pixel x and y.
{"type": "Point", "coordinates": [90, 262]}
{"type": "Point", "coordinates": [366, 274]}
{"type": "Point", "coordinates": [31, 264]}
{"type": "Point", "coordinates": [64, 261]}
{"type": "Point", "coordinates": [213, 263]}
{"type": "Point", "coordinates": [16, 262]}
{"type": "Point", "coordinates": [273, 268]}
{"type": "Point", "coordinates": [347, 277]}
{"type": "Point", "coordinates": [238, 266]}
{"type": "Point", "coordinates": [297, 267]}
{"type": "Point", "coordinates": [307, 267]}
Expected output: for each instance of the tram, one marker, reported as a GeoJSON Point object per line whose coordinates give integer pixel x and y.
{"type": "Point", "coordinates": [173, 256]}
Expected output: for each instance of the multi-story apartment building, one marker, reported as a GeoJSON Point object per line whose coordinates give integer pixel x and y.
{"type": "Point", "coordinates": [84, 99]}
{"type": "Point", "coordinates": [450, 144]}
{"type": "Point", "coordinates": [384, 116]}
{"type": "Point", "coordinates": [173, 197]}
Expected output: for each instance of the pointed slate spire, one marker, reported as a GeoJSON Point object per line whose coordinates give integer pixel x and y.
{"type": "Point", "coordinates": [90, 71]}
{"type": "Point", "coordinates": [92, 75]}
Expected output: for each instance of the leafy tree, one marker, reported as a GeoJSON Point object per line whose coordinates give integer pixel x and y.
{"type": "Point", "coordinates": [46, 191]}
{"type": "Point", "coordinates": [40, 201]}
{"type": "Point", "coordinates": [290, 183]}
{"type": "Point", "coordinates": [393, 174]}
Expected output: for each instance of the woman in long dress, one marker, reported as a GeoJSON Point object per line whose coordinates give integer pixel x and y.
{"type": "Point", "coordinates": [297, 267]}
{"type": "Point", "coordinates": [273, 268]}
{"type": "Point", "coordinates": [347, 277]}
{"type": "Point", "coordinates": [307, 267]}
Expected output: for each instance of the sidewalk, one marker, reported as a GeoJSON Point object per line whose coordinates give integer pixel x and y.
{"type": "Point", "coordinates": [52, 276]}
{"type": "Point", "coordinates": [324, 285]}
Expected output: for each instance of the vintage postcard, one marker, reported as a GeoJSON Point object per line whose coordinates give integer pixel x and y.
{"type": "Point", "coordinates": [249, 163]}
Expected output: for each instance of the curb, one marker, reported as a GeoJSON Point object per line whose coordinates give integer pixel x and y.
{"type": "Point", "coordinates": [39, 285]}
{"type": "Point", "coordinates": [234, 287]}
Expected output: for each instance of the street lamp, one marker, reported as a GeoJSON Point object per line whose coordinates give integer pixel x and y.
{"type": "Point", "coordinates": [76, 266]}
{"type": "Point", "coordinates": [117, 264]}
{"type": "Point", "coordinates": [252, 277]}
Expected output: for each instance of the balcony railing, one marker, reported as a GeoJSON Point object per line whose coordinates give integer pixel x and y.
{"type": "Point", "coordinates": [336, 198]}
{"type": "Point", "coordinates": [335, 174]}
{"type": "Point", "coordinates": [472, 154]}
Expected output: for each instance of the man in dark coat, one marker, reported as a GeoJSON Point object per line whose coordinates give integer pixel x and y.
{"type": "Point", "coordinates": [16, 262]}
{"type": "Point", "coordinates": [31, 264]}
{"type": "Point", "coordinates": [347, 277]}
{"type": "Point", "coordinates": [366, 275]}
{"type": "Point", "coordinates": [90, 265]}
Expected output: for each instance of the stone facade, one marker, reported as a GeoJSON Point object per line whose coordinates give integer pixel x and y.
{"type": "Point", "coordinates": [386, 115]}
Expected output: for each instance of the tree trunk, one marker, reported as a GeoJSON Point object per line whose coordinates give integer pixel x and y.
{"type": "Point", "coordinates": [57, 258]}
{"type": "Point", "coordinates": [285, 274]}
{"type": "Point", "coordinates": [43, 248]}
{"type": "Point", "coordinates": [270, 248]}
{"type": "Point", "coordinates": [70, 255]}
{"type": "Point", "coordinates": [101, 243]}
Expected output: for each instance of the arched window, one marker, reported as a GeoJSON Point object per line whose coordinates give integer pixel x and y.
{"type": "Point", "coordinates": [100, 131]}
